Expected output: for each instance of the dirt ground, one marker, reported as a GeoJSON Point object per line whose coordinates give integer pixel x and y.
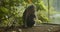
{"type": "Point", "coordinates": [40, 28]}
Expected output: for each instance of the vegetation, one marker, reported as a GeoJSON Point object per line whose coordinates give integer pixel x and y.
{"type": "Point", "coordinates": [11, 11]}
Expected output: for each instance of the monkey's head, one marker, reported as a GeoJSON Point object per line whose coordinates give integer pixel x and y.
{"type": "Point", "coordinates": [31, 9]}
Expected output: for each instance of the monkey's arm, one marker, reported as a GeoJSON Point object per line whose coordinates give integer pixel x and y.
{"type": "Point", "coordinates": [25, 15]}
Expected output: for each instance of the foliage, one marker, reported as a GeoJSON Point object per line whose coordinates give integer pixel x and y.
{"type": "Point", "coordinates": [11, 11]}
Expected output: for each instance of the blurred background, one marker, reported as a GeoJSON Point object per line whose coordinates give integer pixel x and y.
{"type": "Point", "coordinates": [11, 11]}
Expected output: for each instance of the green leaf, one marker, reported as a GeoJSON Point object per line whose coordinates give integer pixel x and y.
{"type": "Point", "coordinates": [5, 10]}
